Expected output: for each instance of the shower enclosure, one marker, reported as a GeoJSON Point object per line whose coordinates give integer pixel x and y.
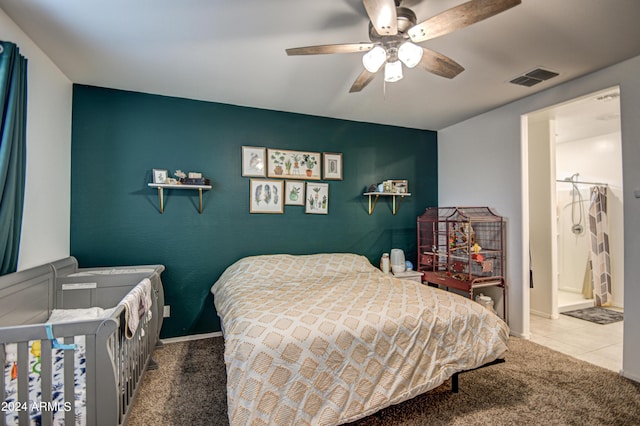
{"type": "Point", "coordinates": [573, 239]}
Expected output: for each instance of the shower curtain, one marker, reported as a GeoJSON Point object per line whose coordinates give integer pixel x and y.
{"type": "Point", "coordinates": [600, 257]}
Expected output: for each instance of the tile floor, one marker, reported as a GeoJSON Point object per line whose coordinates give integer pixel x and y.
{"type": "Point", "coordinates": [594, 343]}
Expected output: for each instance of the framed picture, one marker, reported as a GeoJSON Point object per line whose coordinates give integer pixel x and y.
{"type": "Point", "coordinates": [294, 193]}
{"type": "Point", "coordinates": [266, 196]}
{"type": "Point", "coordinates": [293, 164]}
{"type": "Point", "coordinates": [253, 161]}
{"type": "Point", "coordinates": [317, 198]}
{"type": "Point", "coordinates": [400, 186]}
{"type": "Point", "coordinates": [160, 176]}
{"type": "Point", "coordinates": [332, 166]}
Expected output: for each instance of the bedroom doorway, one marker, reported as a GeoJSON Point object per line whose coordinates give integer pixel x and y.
{"type": "Point", "coordinates": [572, 148]}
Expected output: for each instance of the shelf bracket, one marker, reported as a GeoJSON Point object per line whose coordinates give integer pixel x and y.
{"type": "Point", "coordinates": [372, 206]}
{"type": "Point", "coordinates": [395, 204]}
{"type": "Point", "coordinates": [161, 187]}
{"type": "Point", "coordinates": [161, 199]}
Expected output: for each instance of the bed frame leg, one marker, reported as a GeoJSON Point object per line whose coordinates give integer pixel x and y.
{"type": "Point", "coordinates": [152, 365]}
{"type": "Point", "coordinates": [454, 378]}
{"type": "Point", "coordinates": [454, 383]}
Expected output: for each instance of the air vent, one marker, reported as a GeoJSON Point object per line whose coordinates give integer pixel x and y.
{"type": "Point", "coordinates": [525, 81]}
{"type": "Point", "coordinates": [533, 77]}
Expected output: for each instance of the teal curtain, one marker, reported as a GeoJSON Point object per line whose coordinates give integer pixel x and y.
{"type": "Point", "coordinates": [13, 112]}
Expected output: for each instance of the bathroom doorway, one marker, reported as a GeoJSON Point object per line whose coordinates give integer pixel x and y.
{"type": "Point", "coordinates": [573, 148]}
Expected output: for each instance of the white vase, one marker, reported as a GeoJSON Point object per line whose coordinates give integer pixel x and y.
{"type": "Point", "coordinates": [397, 259]}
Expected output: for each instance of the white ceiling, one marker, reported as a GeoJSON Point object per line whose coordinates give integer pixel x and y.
{"type": "Point", "coordinates": [234, 52]}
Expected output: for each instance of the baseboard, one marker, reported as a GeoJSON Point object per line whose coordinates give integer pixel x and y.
{"type": "Point", "coordinates": [525, 336]}
{"type": "Point", "coordinates": [630, 376]}
{"type": "Point", "coordinates": [543, 314]}
{"type": "Point", "coordinates": [192, 337]}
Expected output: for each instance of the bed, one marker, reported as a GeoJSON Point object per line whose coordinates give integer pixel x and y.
{"type": "Point", "coordinates": [327, 339]}
{"type": "Point", "coordinates": [75, 342]}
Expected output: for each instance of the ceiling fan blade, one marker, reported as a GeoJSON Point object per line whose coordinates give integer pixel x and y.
{"type": "Point", "coordinates": [459, 17]}
{"type": "Point", "coordinates": [330, 48]}
{"type": "Point", "coordinates": [363, 79]}
{"type": "Point", "coordinates": [439, 64]}
{"type": "Point", "coordinates": [382, 14]}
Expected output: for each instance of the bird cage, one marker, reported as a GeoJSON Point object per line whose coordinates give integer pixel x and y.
{"type": "Point", "coordinates": [462, 248]}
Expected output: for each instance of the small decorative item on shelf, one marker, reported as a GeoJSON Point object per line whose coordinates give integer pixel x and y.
{"type": "Point", "coordinates": [180, 175]}
{"type": "Point", "coordinates": [159, 176]}
{"type": "Point", "coordinates": [391, 186]}
{"type": "Point", "coordinates": [400, 186]}
{"type": "Point", "coordinates": [195, 178]}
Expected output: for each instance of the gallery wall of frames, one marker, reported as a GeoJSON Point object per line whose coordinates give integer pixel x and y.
{"type": "Point", "coordinates": [282, 178]}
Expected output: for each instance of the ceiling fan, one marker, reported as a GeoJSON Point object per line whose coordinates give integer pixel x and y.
{"type": "Point", "coordinates": [393, 33]}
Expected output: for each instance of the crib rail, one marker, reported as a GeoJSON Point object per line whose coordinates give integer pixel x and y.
{"type": "Point", "coordinates": [131, 358]}
{"type": "Point", "coordinates": [50, 402]}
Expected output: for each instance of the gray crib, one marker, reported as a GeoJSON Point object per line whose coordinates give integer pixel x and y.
{"type": "Point", "coordinates": [112, 365]}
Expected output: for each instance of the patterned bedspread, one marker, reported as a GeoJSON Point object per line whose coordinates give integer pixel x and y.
{"type": "Point", "coordinates": [327, 339]}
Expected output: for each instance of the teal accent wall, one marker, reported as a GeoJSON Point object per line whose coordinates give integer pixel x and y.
{"type": "Point", "coordinates": [118, 137]}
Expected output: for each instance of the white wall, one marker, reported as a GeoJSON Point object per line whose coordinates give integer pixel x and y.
{"type": "Point", "coordinates": [542, 226]}
{"type": "Point", "coordinates": [480, 161]}
{"type": "Point", "coordinates": [45, 224]}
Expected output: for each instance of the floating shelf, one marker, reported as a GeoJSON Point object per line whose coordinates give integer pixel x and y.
{"type": "Point", "coordinates": [161, 187]}
{"type": "Point", "coordinates": [395, 204]}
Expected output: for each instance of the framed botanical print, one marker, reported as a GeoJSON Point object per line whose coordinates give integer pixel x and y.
{"type": "Point", "coordinates": [317, 198]}
{"type": "Point", "coordinates": [332, 166]}
{"type": "Point", "coordinates": [253, 161]}
{"type": "Point", "coordinates": [266, 196]}
{"type": "Point", "coordinates": [294, 193]}
{"type": "Point", "coordinates": [293, 164]}
{"type": "Point", "coordinates": [160, 175]}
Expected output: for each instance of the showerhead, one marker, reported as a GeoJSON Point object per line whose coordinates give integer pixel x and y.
{"type": "Point", "coordinates": [573, 178]}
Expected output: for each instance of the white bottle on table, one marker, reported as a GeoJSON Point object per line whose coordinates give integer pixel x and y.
{"type": "Point", "coordinates": [384, 263]}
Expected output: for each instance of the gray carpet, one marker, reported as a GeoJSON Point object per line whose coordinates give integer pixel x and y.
{"type": "Point", "coordinates": [596, 314]}
{"type": "Point", "coordinates": [535, 386]}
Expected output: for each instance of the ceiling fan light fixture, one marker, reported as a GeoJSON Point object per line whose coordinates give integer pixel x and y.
{"type": "Point", "coordinates": [393, 71]}
{"type": "Point", "coordinates": [410, 54]}
{"type": "Point", "coordinates": [373, 59]}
